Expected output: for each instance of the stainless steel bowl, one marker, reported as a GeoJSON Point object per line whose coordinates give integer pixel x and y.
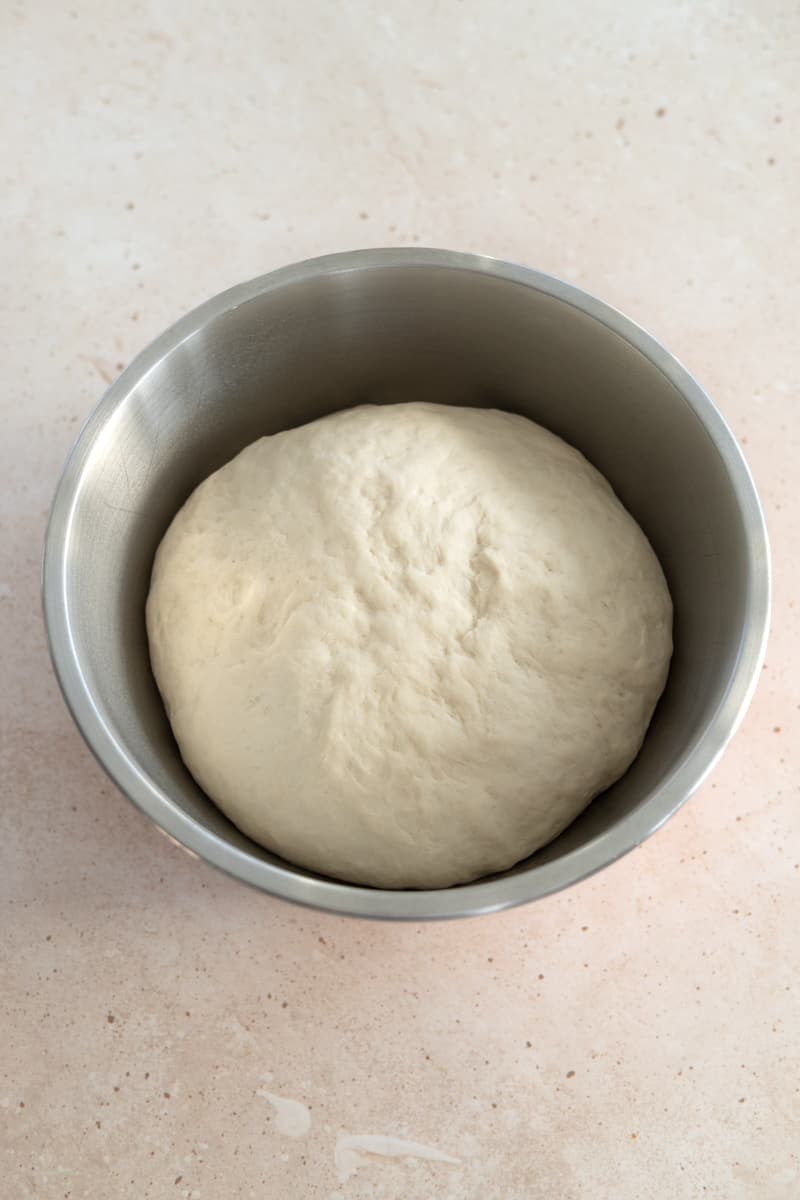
{"type": "Point", "coordinates": [383, 326]}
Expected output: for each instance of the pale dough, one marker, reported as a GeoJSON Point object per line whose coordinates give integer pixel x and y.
{"type": "Point", "coordinates": [405, 646]}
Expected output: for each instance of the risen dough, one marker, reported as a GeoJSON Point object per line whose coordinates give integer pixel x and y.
{"type": "Point", "coordinates": [406, 645]}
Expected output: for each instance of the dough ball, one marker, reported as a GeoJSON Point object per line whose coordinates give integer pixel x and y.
{"type": "Point", "coordinates": [405, 646]}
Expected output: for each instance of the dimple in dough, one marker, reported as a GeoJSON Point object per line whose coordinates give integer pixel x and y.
{"type": "Point", "coordinates": [405, 646]}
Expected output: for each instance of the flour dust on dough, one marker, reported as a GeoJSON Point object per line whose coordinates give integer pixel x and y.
{"type": "Point", "coordinates": [405, 646]}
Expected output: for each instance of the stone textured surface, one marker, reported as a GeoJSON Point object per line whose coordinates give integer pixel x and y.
{"type": "Point", "coordinates": [635, 1037]}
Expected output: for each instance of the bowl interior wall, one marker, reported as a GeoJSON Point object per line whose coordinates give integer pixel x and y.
{"type": "Point", "coordinates": [408, 333]}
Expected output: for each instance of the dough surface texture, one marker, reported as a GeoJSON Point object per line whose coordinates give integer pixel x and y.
{"type": "Point", "coordinates": [405, 646]}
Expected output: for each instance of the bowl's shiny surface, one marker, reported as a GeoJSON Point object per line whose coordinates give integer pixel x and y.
{"type": "Point", "coordinates": [381, 326]}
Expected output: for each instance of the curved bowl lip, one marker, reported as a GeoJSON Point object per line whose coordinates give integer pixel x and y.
{"type": "Point", "coordinates": [482, 896]}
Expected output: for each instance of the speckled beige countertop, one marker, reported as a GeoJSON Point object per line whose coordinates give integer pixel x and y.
{"type": "Point", "coordinates": [634, 1038]}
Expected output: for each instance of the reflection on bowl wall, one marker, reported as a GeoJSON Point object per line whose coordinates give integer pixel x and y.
{"type": "Point", "coordinates": [382, 326]}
